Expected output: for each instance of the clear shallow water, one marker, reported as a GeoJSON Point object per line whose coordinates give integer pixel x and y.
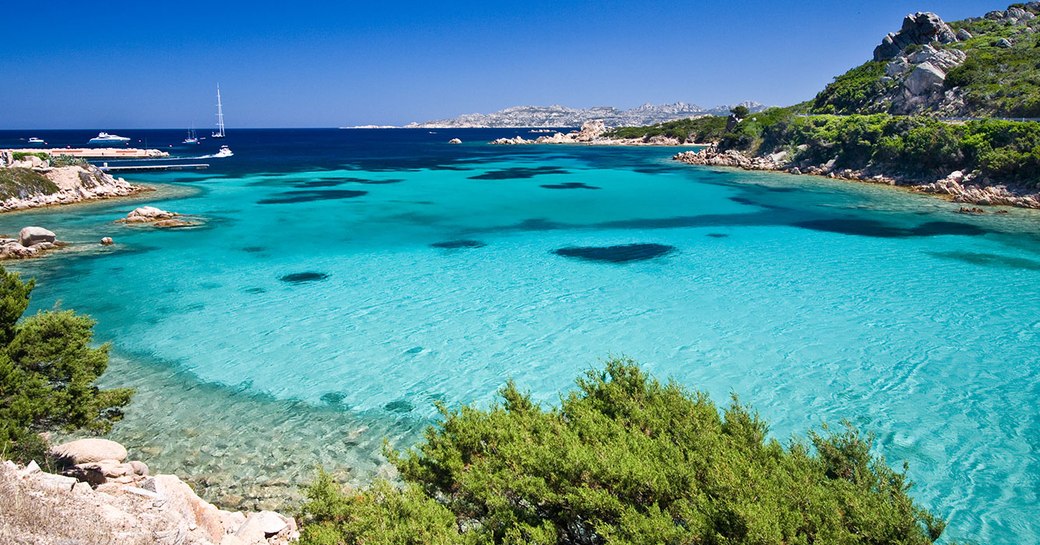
{"type": "Point", "coordinates": [813, 300]}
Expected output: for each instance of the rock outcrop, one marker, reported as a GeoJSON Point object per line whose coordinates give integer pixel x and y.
{"type": "Point", "coordinates": [31, 242]}
{"type": "Point", "coordinates": [73, 184]}
{"type": "Point", "coordinates": [116, 502]}
{"type": "Point", "coordinates": [591, 132]}
{"type": "Point", "coordinates": [88, 450]}
{"type": "Point", "coordinates": [920, 28]}
{"type": "Point", "coordinates": [921, 81]}
{"type": "Point", "coordinates": [958, 187]}
{"type": "Point", "coordinates": [29, 236]}
{"type": "Point", "coordinates": [155, 217]}
{"type": "Point", "coordinates": [515, 141]}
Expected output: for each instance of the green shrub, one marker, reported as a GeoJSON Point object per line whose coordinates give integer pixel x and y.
{"type": "Point", "coordinates": [20, 155]}
{"type": "Point", "coordinates": [68, 161]}
{"type": "Point", "coordinates": [693, 130]}
{"type": "Point", "coordinates": [47, 373]}
{"type": "Point", "coordinates": [854, 91]}
{"type": "Point", "coordinates": [624, 459]}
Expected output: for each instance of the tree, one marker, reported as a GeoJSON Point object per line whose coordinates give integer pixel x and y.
{"type": "Point", "coordinates": [740, 112]}
{"type": "Point", "coordinates": [48, 370]}
{"type": "Point", "coordinates": [625, 459]}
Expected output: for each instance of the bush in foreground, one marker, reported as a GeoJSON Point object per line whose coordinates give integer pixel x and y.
{"type": "Point", "coordinates": [623, 459]}
{"type": "Point", "coordinates": [47, 373]}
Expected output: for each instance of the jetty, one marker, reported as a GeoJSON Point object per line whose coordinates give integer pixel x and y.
{"type": "Point", "coordinates": [146, 168]}
{"type": "Point", "coordinates": [98, 153]}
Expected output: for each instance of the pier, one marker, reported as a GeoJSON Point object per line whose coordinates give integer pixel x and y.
{"type": "Point", "coordinates": [98, 153]}
{"type": "Point", "coordinates": [152, 168]}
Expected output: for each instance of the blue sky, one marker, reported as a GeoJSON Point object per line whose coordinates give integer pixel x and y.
{"type": "Point", "coordinates": [136, 64]}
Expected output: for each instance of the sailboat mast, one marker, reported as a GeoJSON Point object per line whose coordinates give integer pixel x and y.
{"type": "Point", "coordinates": [220, 116]}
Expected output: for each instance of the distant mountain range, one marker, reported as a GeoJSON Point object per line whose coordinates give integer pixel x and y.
{"type": "Point", "coordinates": [562, 116]}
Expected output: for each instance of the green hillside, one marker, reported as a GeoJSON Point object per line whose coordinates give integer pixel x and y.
{"type": "Point", "coordinates": [1000, 76]}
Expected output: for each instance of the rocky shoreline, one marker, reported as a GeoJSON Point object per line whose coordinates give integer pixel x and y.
{"type": "Point", "coordinates": [67, 184]}
{"type": "Point", "coordinates": [98, 497]}
{"type": "Point", "coordinates": [591, 133]}
{"type": "Point", "coordinates": [957, 186]}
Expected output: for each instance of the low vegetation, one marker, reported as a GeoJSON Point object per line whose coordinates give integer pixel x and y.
{"type": "Point", "coordinates": [623, 459]}
{"type": "Point", "coordinates": [21, 155]}
{"type": "Point", "coordinates": [996, 80]}
{"type": "Point", "coordinates": [24, 182]}
{"type": "Point", "coordinates": [692, 130]}
{"type": "Point", "coordinates": [68, 161]}
{"type": "Point", "coordinates": [48, 369]}
{"type": "Point", "coordinates": [1001, 151]}
{"type": "Point", "coordinates": [854, 91]}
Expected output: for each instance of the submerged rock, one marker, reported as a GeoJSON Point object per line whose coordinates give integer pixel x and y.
{"type": "Point", "coordinates": [625, 253]}
{"type": "Point", "coordinates": [458, 244]}
{"type": "Point", "coordinates": [299, 278]}
{"type": "Point", "coordinates": [570, 185]}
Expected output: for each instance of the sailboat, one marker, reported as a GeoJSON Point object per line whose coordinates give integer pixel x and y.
{"type": "Point", "coordinates": [192, 138]}
{"type": "Point", "coordinates": [220, 117]}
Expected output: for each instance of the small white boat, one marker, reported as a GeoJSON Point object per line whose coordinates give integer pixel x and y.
{"type": "Point", "coordinates": [35, 140]}
{"type": "Point", "coordinates": [191, 139]}
{"type": "Point", "coordinates": [105, 138]}
{"type": "Point", "coordinates": [224, 152]}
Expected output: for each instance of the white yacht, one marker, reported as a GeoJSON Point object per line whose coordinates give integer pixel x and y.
{"type": "Point", "coordinates": [105, 138]}
{"type": "Point", "coordinates": [36, 141]}
{"type": "Point", "coordinates": [220, 117]}
{"type": "Point", "coordinates": [224, 152]}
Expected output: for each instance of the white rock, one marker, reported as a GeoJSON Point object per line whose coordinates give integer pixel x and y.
{"type": "Point", "coordinates": [925, 79]}
{"type": "Point", "coordinates": [89, 450]}
{"type": "Point", "coordinates": [260, 526]}
{"type": "Point", "coordinates": [232, 539]}
{"type": "Point", "coordinates": [54, 483]}
{"type": "Point", "coordinates": [29, 236]}
{"type": "Point", "coordinates": [33, 467]}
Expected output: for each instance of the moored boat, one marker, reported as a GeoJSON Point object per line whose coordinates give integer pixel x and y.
{"type": "Point", "coordinates": [106, 138]}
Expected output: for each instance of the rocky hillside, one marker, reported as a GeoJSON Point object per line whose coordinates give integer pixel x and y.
{"type": "Point", "coordinates": [980, 67]}
{"type": "Point", "coordinates": [30, 181]}
{"type": "Point", "coordinates": [562, 116]}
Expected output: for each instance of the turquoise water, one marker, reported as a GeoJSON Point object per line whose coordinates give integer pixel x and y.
{"type": "Point", "coordinates": [345, 281]}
